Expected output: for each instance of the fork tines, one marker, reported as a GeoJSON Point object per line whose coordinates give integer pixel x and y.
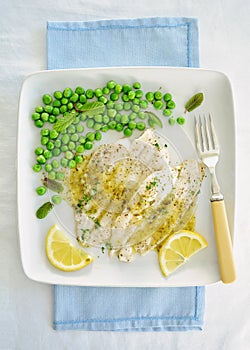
{"type": "Point", "coordinates": [205, 135]}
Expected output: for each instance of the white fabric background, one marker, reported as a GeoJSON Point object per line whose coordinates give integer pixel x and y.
{"type": "Point", "coordinates": [26, 306]}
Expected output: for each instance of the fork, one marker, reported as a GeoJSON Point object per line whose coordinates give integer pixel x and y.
{"type": "Point", "coordinates": [208, 151]}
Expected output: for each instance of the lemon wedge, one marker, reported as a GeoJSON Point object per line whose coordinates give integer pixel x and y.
{"type": "Point", "coordinates": [177, 249]}
{"type": "Point", "coordinates": [63, 254]}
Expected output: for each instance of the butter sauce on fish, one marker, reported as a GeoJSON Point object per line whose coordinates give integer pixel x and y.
{"type": "Point", "coordinates": [130, 197]}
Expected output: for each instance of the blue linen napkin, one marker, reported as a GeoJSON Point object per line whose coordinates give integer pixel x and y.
{"type": "Point", "coordinates": [132, 42]}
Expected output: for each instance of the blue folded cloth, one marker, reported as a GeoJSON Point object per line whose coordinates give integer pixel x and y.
{"type": "Point", "coordinates": [131, 42]}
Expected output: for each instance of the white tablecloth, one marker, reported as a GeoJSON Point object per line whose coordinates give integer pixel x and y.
{"type": "Point", "coordinates": [26, 306]}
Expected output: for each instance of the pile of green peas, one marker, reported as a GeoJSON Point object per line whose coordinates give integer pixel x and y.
{"type": "Point", "coordinates": [125, 111]}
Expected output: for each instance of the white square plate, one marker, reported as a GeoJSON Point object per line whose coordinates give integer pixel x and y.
{"type": "Point", "coordinates": [182, 83]}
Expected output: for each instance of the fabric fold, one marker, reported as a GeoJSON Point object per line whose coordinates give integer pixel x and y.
{"type": "Point", "coordinates": [157, 41]}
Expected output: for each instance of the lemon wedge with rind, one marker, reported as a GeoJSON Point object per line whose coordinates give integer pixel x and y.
{"type": "Point", "coordinates": [178, 248]}
{"type": "Point", "coordinates": [63, 254]}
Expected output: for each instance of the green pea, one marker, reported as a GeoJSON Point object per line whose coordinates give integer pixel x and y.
{"type": "Point", "coordinates": [69, 155]}
{"type": "Point", "coordinates": [45, 132]}
{"type": "Point", "coordinates": [158, 104]}
{"type": "Point", "coordinates": [71, 129]}
{"type": "Point", "coordinates": [56, 152]}
{"type": "Point", "coordinates": [45, 117]}
{"type": "Point", "coordinates": [98, 92]}
{"type": "Point", "coordinates": [158, 95]}
{"type": "Point", "coordinates": [58, 95]}
{"type": "Point", "coordinates": [70, 106]}
{"type": "Point", "coordinates": [171, 104]}
{"type": "Point", "coordinates": [76, 121]}
{"type": "Point", "coordinates": [64, 162]}
{"type": "Point", "coordinates": [39, 123]}
{"type": "Point", "coordinates": [55, 164]}
{"type": "Point", "coordinates": [105, 90]}
{"type": "Point", "coordinates": [48, 109]}
{"type": "Point", "coordinates": [50, 145]}
{"type": "Point", "coordinates": [142, 115]}
{"type": "Point", "coordinates": [39, 150]}
{"type": "Point", "coordinates": [58, 143]}
{"type": "Point", "coordinates": [89, 93]}
{"type": "Point", "coordinates": [104, 128]}
{"type": "Point", "coordinates": [119, 127]}
{"type": "Point", "coordinates": [118, 117]}
{"type": "Point", "coordinates": [79, 90]}
{"type": "Point", "coordinates": [136, 85]}
{"type": "Point", "coordinates": [111, 84]}
{"type": "Point", "coordinates": [150, 96]}
{"type": "Point", "coordinates": [57, 103]}
{"type": "Point", "coordinates": [90, 123]}
{"type": "Point", "coordinates": [135, 108]}
{"type": "Point", "coordinates": [126, 106]}
{"type": "Point", "coordinates": [82, 139]}
{"type": "Point", "coordinates": [140, 126]}
{"type": "Point", "coordinates": [90, 136]}
{"type": "Point", "coordinates": [114, 96]}
{"type": "Point", "coordinates": [167, 97]}
{"type": "Point", "coordinates": [111, 113]}
{"type": "Point", "coordinates": [36, 116]}
{"type": "Point", "coordinates": [52, 175]}
{"type": "Point", "coordinates": [98, 118]}
{"type": "Point", "coordinates": [39, 109]}
{"type": "Point", "coordinates": [64, 101]}
{"type": "Point", "coordinates": [56, 111]}
{"type": "Point", "coordinates": [103, 99]}
{"type": "Point", "coordinates": [53, 134]}
{"type": "Point", "coordinates": [80, 149]}
{"type": "Point", "coordinates": [64, 148]}
{"type": "Point", "coordinates": [136, 101]}
{"type": "Point", "coordinates": [118, 106]}
{"type": "Point", "coordinates": [144, 104]}
{"type": "Point", "coordinates": [71, 145]}
{"type": "Point", "coordinates": [37, 168]}
{"type": "Point", "coordinates": [124, 119]}
{"type": "Point", "coordinates": [48, 167]}
{"type": "Point", "coordinates": [112, 124]}
{"type": "Point", "coordinates": [60, 176]}
{"type": "Point", "coordinates": [97, 126]}
{"type": "Point", "coordinates": [110, 104]}
{"type": "Point", "coordinates": [72, 164]}
{"type": "Point", "coordinates": [47, 99]}
{"type": "Point", "coordinates": [126, 88]}
{"type": "Point", "coordinates": [83, 98]}
{"type": "Point", "coordinates": [167, 112]}
{"type": "Point", "coordinates": [98, 135]}
{"type": "Point", "coordinates": [105, 119]}
{"type": "Point", "coordinates": [65, 139]}
{"type": "Point", "coordinates": [67, 92]}
{"type": "Point", "coordinates": [44, 140]}
{"type": "Point", "coordinates": [41, 190]}
{"type": "Point", "coordinates": [63, 109]}
{"type": "Point", "coordinates": [41, 159]}
{"type": "Point", "coordinates": [74, 98]}
{"type": "Point", "coordinates": [139, 93]}
{"type": "Point", "coordinates": [74, 137]}
{"type": "Point", "coordinates": [125, 98]}
{"type": "Point", "coordinates": [52, 119]}
{"type": "Point", "coordinates": [56, 199]}
{"type": "Point", "coordinates": [132, 116]}
{"type": "Point", "coordinates": [118, 89]}
{"type": "Point", "coordinates": [78, 159]}
{"type": "Point", "coordinates": [171, 121]}
{"type": "Point", "coordinates": [127, 132]}
{"type": "Point", "coordinates": [80, 128]}
{"type": "Point", "coordinates": [83, 117]}
{"type": "Point", "coordinates": [180, 120]}
{"type": "Point", "coordinates": [88, 145]}
{"type": "Point", "coordinates": [47, 154]}
{"type": "Point", "coordinates": [132, 124]}
{"type": "Point", "coordinates": [131, 95]}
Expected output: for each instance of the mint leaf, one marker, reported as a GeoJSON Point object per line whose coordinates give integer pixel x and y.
{"type": "Point", "coordinates": [153, 120]}
{"type": "Point", "coordinates": [194, 102]}
{"type": "Point", "coordinates": [92, 108]}
{"type": "Point", "coordinates": [62, 123]}
{"type": "Point", "coordinates": [44, 210]}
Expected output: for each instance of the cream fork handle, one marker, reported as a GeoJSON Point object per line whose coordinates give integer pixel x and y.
{"type": "Point", "coordinates": [223, 242]}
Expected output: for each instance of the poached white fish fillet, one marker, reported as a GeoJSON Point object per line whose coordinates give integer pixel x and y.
{"type": "Point", "coordinates": [131, 196]}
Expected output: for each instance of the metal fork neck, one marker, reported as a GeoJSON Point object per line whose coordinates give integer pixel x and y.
{"type": "Point", "coordinates": [216, 194]}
